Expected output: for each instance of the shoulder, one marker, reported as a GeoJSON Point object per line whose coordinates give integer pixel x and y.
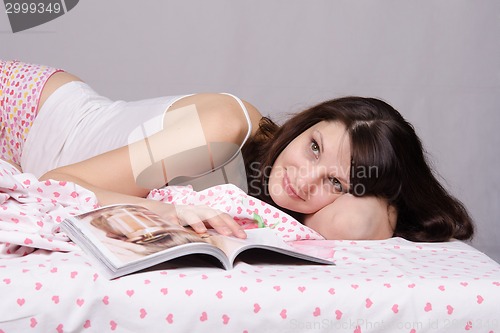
{"type": "Point", "coordinates": [255, 116]}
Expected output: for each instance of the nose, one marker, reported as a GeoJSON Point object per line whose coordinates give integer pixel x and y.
{"type": "Point", "coordinates": [308, 180]}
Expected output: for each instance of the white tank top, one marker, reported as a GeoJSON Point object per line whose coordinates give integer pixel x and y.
{"type": "Point", "coordinates": [76, 123]}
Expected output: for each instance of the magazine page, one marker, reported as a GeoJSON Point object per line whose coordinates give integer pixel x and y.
{"type": "Point", "coordinates": [131, 236]}
{"type": "Point", "coordinates": [260, 238]}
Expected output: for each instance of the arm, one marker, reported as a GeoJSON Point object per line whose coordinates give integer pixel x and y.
{"type": "Point", "coordinates": [109, 176]}
{"type": "Point", "coordinates": [356, 218]}
{"type": "Point", "coordinates": [113, 176]}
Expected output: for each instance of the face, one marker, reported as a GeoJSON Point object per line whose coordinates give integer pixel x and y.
{"type": "Point", "coordinates": [313, 170]}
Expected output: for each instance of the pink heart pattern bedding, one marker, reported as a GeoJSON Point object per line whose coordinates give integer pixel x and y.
{"type": "Point", "coordinates": [31, 210]}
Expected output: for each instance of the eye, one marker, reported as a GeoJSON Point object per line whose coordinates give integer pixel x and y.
{"type": "Point", "coordinates": [337, 185]}
{"type": "Point", "coordinates": [315, 147]}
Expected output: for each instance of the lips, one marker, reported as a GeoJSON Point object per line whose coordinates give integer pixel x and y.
{"type": "Point", "coordinates": [289, 188]}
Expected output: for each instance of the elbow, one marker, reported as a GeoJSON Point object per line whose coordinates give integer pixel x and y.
{"type": "Point", "coordinates": [56, 174]}
{"type": "Point", "coordinates": [48, 175]}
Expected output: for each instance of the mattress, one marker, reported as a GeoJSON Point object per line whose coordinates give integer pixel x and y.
{"type": "Point", "coordinates": [49, 285]}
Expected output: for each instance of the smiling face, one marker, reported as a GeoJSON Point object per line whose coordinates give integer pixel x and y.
{"type": "Point", "coordinates": [313, 170]}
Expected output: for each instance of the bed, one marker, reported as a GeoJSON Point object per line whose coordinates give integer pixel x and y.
{"type": "Point", "coordinates": [48, 284]}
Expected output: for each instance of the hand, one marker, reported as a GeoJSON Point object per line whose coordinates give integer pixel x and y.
{"type": "Point", "coordinates": [198, 217]}
{"type": "Point", "coordinates": [354, 218]}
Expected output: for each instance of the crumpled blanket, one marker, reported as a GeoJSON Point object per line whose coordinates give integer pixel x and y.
{"type": "Point", "coordinates": [31, 210]}
{"type": "Point", "coordinates": [245, 209]}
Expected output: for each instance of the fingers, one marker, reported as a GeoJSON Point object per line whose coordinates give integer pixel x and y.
{"type": "Point", "coordinates": [225, 225]}
{"type": "Point", "coordinates": [188, 217]}
{"type": "Point", "coordinates": [197, 216]}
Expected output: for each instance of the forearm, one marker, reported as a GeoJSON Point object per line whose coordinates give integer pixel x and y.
{"type": "Point", "coordinates": [194, 216]}
{"type": "Point", "coordinates": [104, 196]}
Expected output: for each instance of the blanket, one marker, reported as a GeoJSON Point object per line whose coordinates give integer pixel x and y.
{"type": "Point", "coordinates": [32, 210]}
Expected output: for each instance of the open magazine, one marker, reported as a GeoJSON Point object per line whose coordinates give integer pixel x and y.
{"type": "Point", "coordinates": [129, 238]}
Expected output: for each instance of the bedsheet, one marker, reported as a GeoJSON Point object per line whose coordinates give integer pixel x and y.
{"type": "Point", "coordinates": [49, 285]}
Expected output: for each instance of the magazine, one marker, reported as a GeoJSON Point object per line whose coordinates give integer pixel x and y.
{"type": "Point", "coordinates": [128, 238]}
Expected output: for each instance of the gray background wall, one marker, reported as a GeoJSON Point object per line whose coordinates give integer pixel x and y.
{"type": "Point", "coordinates": [438, 62]}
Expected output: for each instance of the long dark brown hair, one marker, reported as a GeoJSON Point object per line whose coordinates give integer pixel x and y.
{"type": "Point", "coordinates": [387, 161]}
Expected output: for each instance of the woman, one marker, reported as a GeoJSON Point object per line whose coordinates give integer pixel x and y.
{"type": "Point", "coordinates": [387, 168]}
{"type": "Point", "coordinates": [350, 168]}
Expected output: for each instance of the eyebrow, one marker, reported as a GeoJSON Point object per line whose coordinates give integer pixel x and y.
{"type": "Point", "coordinates": [321, 148]}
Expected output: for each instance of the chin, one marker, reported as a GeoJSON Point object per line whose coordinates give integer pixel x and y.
{"type": "Point", "coordinates": [279, 201]}
{"type": "Point", "coordinates": [284, 202]}
{"type": "Point", "coordinates": [291, 207]}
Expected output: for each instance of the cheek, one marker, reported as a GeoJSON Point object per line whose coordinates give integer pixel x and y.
{"type": "Point", "coordinates": [273, 182]}
{"type": "Point", "coordinates": [290, 154]}
{"type": "Point", "coordinates": [276, 190]}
